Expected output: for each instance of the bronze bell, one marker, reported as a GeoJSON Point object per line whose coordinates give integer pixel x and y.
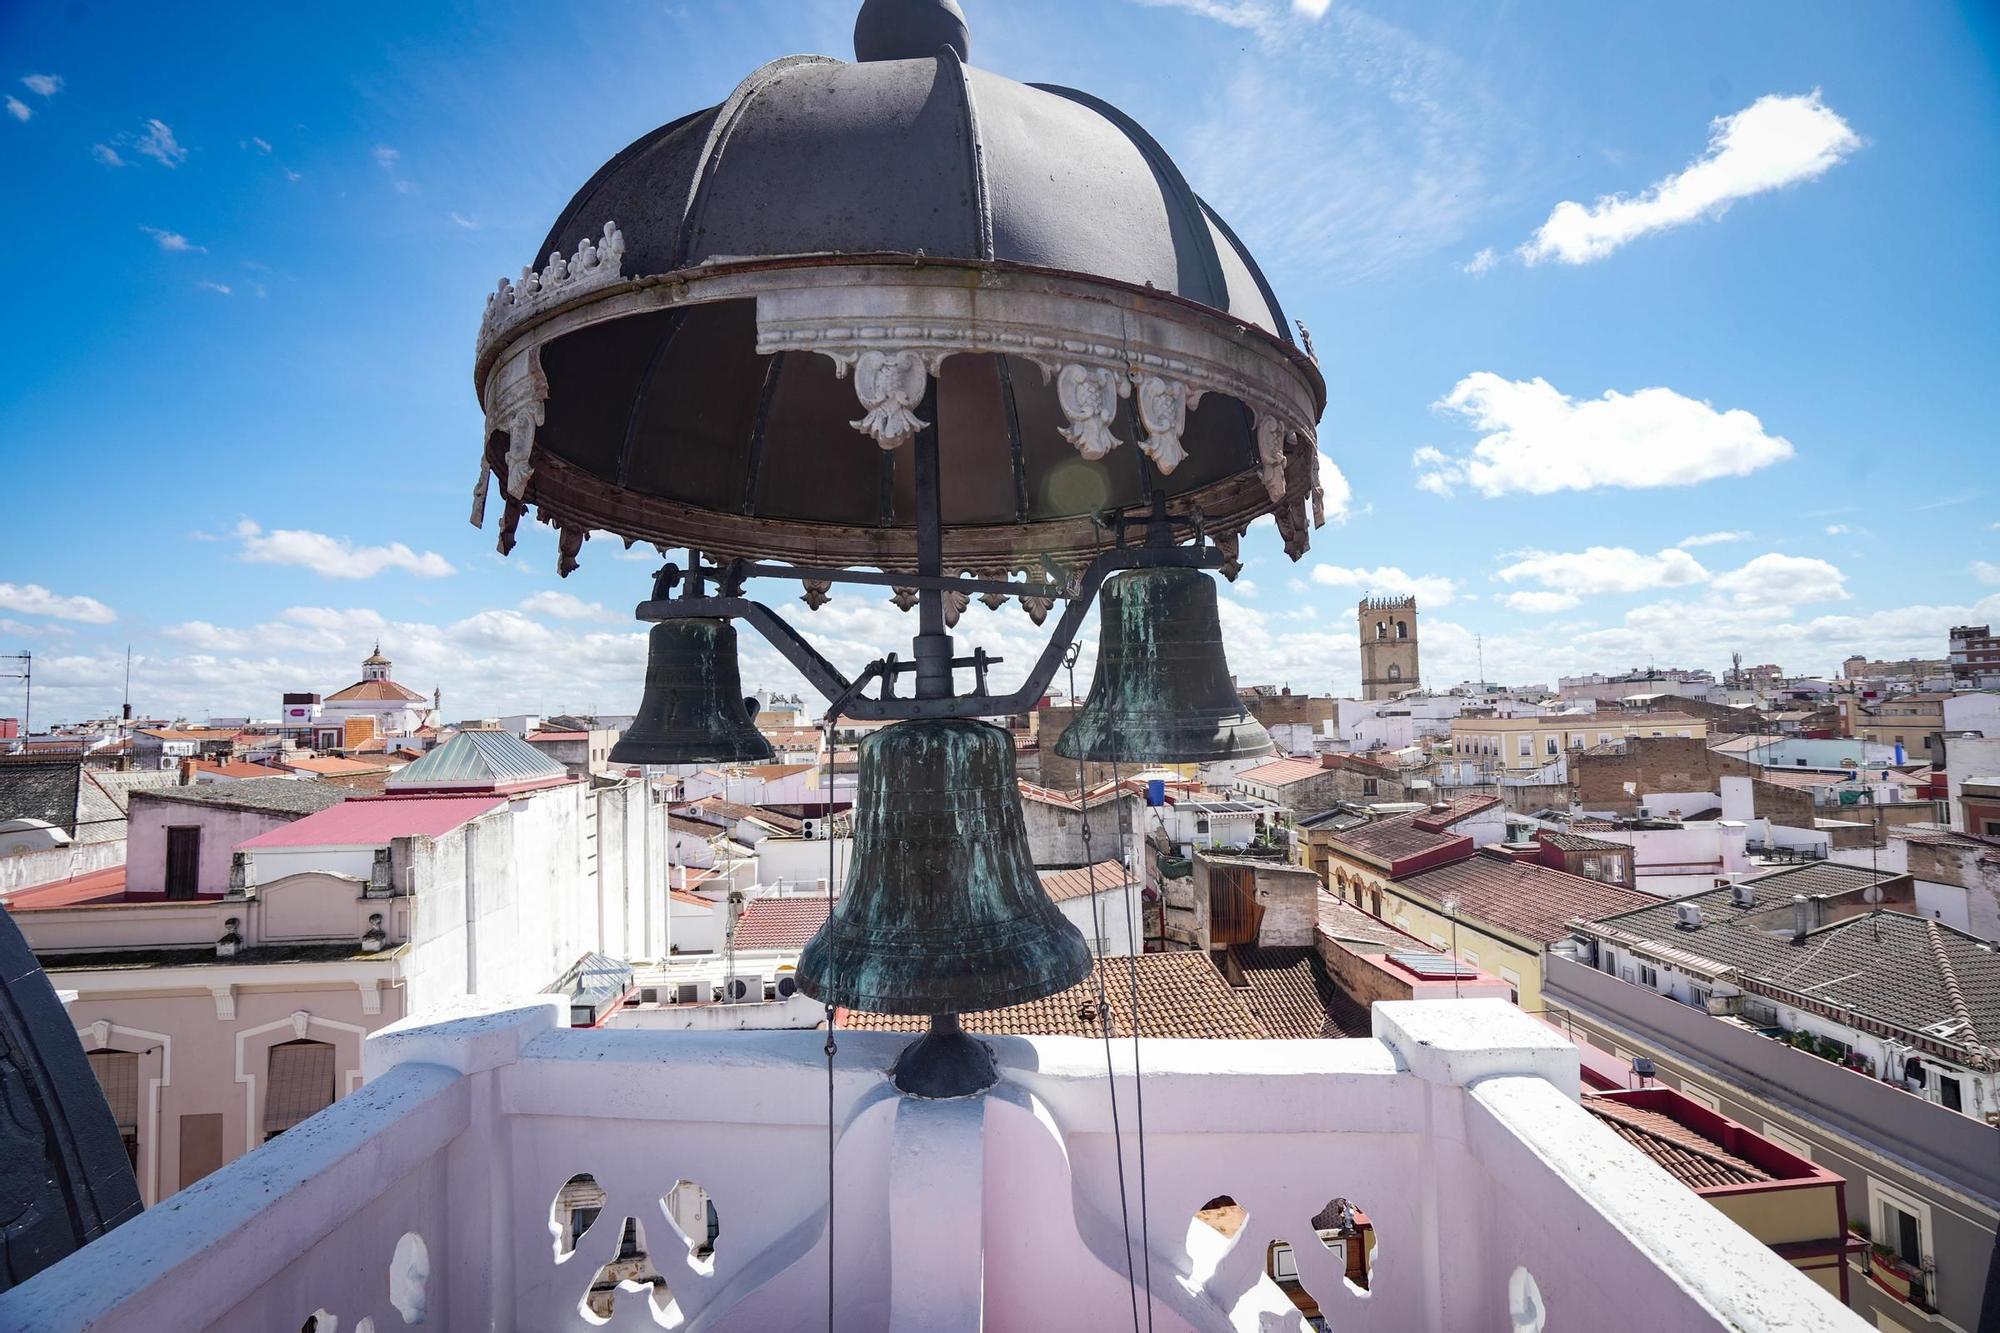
{"type": "Point", "coordinates": [693, 711]}
{"type": "Point", "coordinates": [943, 912]}
{"type": "Point", "coordinates": [1162, 693]}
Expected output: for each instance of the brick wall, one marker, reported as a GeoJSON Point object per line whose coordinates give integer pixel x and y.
{"type": "Point", "coordinates": [1599, 781]}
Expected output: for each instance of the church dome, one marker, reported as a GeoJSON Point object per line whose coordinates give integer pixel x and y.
{"type": "Point", "coordinates": [1025, 253]}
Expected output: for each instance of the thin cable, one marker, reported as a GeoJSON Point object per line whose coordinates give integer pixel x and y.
{"type": "Point", "coordinates": [1104, 1012]}
{"type": "Point", "coordinates": [1134, 936]}
{"type": "Point", "coordinates": [831, 1047]}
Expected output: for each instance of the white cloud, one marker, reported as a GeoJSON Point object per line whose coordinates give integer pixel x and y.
{"type": "Point", "coordinates": [32, 599]}
{"type": "Point", "coordinates": [1429, 589]}
{"type": "Point", "coordinates": [1312, 9]}
{"type": "Point", "coordinates": [261, 145]}
{"type": "Point", "coordinates": [106, 154]}
{"type": "Point", "coordinates": [291, 175]}
{"type": "Point", "coordinates": [18, 109]}
{"type": "Point", "coordinates": [158, 143]}
{"type": "Point", "coordinates": [207, 638]}
{"type": "Point", "coordinates": [1712, 539]}
{"type": "Point", "coordinates": [564, 606]}
{"type": "Point", "coordinates": [1842, 530]}
{"type": "Point", "coordinates": [1986, 572]}
{"type": "Point", "coordinates": [1540, 603]}
{"type": "Point", "coordinates": [221, 287]}
{"type": "Point", "coordinates": [1606, 569]}
{"type": "Point", "coordinates": [1334, 488]}
{"type": "Point", "coordinates": [1774, 142]}
{"type": "Point", "coordinates": [1538, 440]}
{"type": "Point", "coordinates": [1783, 580]}
{"type": "Point", "coordinates": [42, 85]}
{"type": "Point", "coordinates": [1249, 15]}
{"type": "Point", "coordinates": [470, 224]}
{"type": "Point", "coordinates": [387, 157]}
{"type": "Point", "coordinates": [335, 557]}
{"type": "Point", "coordinates": [173, 241]}
{"type": "Point", "coordinates": [1480, 262]}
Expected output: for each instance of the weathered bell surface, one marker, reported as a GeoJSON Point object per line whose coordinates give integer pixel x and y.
{"type": "Point", "coordinates": [942, 912]}
{"type": "Point", "coordinates": [693, 711]}
{"type": "Point", "coordinates": [1162, 693]}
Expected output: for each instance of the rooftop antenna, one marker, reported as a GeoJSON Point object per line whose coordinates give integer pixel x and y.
{"type": "Point", "coordinates": [1480, 641]}
{"type": "Point", "coordinates": [127, 714]}
{"type": "Point", "coordinates": [26, 675]}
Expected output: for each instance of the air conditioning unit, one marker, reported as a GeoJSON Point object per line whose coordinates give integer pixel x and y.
{"type": "Point", "coordinates": [810, 829]}
{"type": "Point", "coordinates": [1687, 916]}
{"type": "Point", "coordinates": [1742, 895]}
{"type": "Point", "coordinates": [741, 989]}
{"type": "Point", "coordinates": [684, 993]}
{"type": "Point", "coordinates": [788, 986]}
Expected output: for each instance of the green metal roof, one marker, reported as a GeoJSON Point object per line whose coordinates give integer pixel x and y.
{"type": "Point", "coordinates": [473, 760]}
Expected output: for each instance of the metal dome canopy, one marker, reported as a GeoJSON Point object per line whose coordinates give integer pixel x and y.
{"type": "Point", "coordinates": [746, 314]}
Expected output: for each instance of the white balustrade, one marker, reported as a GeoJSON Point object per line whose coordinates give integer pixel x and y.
{"type": "Point", "coordinates": [428, 1196]}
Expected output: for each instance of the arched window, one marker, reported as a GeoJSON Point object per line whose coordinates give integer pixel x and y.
{"type": "Point", "coordinates": [1381, 629]}
{"type": "Point", "coordinates": [1402, 629]}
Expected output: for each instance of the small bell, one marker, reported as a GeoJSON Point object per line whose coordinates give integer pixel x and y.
{"type": "Point", "coordinates": [942, 912]}
{"type": "Point", "coordinates": [1162, 693]}
{"type": "Point", "coordinates": [693, 711]}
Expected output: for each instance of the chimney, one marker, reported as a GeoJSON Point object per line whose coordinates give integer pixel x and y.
{"type": "Point", "coordinates": [187, 773]}
{"type": "Point", "coordinates": [1329, 760]}
{"type": "Point", "coordinates": [1808, 914]}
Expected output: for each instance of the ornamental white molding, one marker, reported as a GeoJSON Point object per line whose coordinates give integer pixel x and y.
{"type": "Point", "coordinates": [1163, 409]}
{"type": "Point", "coordinates": [1271, 455]}
{"type": "Point", "coordinates": [516, 401]}
{"type": "Point", "coordinates": [1089, 398]}
{"type": "Point", "coordinates": [889, 384]}
{"type": "Point", "coordinates": [595, 264]}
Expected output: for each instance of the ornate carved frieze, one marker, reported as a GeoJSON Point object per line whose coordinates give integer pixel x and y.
{"type": "Point", "coordinates": [1089, 398]}
{"type": "Point", "coordinates": [1163, 409]}
{"type": "Point", "coordinates": [955, 603]}
{"type": "Point", "coordinates": [904, 598]}
{"type": "Point", "coordinates": [818, 593]}
{"type": "Point", "coordinates": [1271, 455]}
{"type": "Point", "coordinates": [1037, 607]}
{"type": "Point", "coordinates": [595, 264]}
{"type": "Point", "coordinates": [889, 384]}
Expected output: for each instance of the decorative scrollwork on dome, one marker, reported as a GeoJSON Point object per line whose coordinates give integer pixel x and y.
{"type": "Point", "coordinates": [889, 385]}
{"type": "Point", "coordinates": [595, 264]}
{"type": "Point", "coordinates": [1163, 409]}
{"type": "Point", "coordinates": [1271, 455]}
{"type": "Point", "coordinates": [1089, 397]}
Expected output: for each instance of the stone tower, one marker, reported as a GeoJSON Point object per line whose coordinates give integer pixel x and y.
{"type": "Point", "coordinates": [1388, 646]}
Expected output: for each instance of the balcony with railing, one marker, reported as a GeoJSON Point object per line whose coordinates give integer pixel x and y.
{"type": "Point", "coordinates": [443, 1193]}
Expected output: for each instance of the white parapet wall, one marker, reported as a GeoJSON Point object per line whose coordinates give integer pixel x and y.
{"type": "Point", "coordinates": [1498, 1203]}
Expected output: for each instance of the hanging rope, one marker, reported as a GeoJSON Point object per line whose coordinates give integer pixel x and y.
{"type": "Point", "coordinates": [1135, 937]}
{"type": "Point", "coordinates": [832, 1046]}
{"type": "Point", "coordinates": [1104, 1007]}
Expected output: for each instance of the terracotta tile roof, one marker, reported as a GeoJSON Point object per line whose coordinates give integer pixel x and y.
{"type": "Point", "coordinates": [329, 766]}
{"type": "Point", "coordinates": [1521, 896]}
{"type": "Point", "coordinates": [736, 810]}
{"type": "Point", "coordinates": [1398, 836]}
{"type": "Point", "coordinates": [1344, 921]}
{"type": "Point", "coordinates": [780, 923]}
{"type": "Point", "coordinates": [189, 733]}
{"type": "Point", "coordinates": [278, 796]}
{"type": "Point", "coordinates": [1291, 994]}
{"type": "Point", "coordinates": [1078, 882]}
{"type": "Point", "coordinates": [1180, 995]}
{"type": "Point", "coordinates": [237, 768]}
{"type": "Point", "coordinates": [1690, 1157]}
{"type": "Point", "coordinates": [1282, 772]}
{"type": "Point", "coordinates": [1577, 842]}
{"type": "Point", "coordinates": [376, 691]}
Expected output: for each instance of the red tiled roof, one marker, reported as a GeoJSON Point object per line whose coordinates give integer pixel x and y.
{"type": "Point", "coordinates": [237, 768]}
{"type": "Point", "coordinates": [1397, 837]}
{"type": "Point", "coordinates": [1687, 1155]}
{"type": "Point", "coordinates": [691, 899]}
{"type": "Point", "coordinates": [80, 890]}
{"type": "Point", "coordinates": [1082, 881]}
{"type": "Point", "coordinates": [366, 823]}
{"type": "Point", "coordinates": [780, 923]}
{"type": "Point", "coordinates": [189, 733]}
{"type": "Point", "coordinates": [534, 736]}
{"type": "Point", "coordinates": [1525, 897]}
{"type": "Point", "coordinates": [1289, 991]}
{"type": "Point", "coordinates": [1282, 772]}
{"type": "Point", "coordinates": [376, 691]}
{"type": "Point", "coordinates": [1180, 995]}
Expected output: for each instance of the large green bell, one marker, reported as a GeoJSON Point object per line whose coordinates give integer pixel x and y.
{"type": "Point", "coordinates": [693, 710]}
{"type": "Point", "coordinates": [943, 912]}
{"type": "Point", "coordinates": [1162, 693]}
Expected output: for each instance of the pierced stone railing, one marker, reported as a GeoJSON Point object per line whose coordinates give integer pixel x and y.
{"type": "Point", "coordinates": [428, 1196]}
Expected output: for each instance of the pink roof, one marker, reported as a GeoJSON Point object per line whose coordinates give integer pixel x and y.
{"type": "Point", "coordinates": [780, 923]}
{"type": "Point", "coordinates": [364, 822]}
{"type": "Point", "coordinates": [1282, 772]}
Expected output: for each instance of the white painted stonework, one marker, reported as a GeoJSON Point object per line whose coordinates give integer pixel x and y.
{"type": "Point", "coordinates": [1498, 1202]}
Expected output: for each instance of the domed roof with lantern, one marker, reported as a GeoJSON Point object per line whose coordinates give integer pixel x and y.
{"type": "Point", "coordinates": [735, 325]}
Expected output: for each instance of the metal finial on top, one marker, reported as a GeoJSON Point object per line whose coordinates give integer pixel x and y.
{"type": "Point", "coordinates": [910, 30]}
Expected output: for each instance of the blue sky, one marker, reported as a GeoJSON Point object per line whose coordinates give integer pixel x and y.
{"type": "Point", "coordinates": [1586, 282]}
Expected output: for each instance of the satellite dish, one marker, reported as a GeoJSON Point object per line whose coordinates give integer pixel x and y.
{"type": "Point", "coordinates": [1872, 894]}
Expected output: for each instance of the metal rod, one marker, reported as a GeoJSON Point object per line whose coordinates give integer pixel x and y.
{"type": "Point", "coordinates": [933, 645]}
{"type": "Point", "coordinates": [1005, 587]}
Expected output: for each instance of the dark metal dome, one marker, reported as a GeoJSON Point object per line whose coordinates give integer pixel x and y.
{"type": "Point", "coordinates": [1009, 255]}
